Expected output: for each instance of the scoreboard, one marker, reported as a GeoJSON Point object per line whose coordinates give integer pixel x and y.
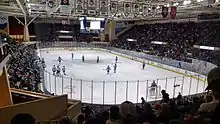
{"type": "Point", "coordinates": [92, 25]}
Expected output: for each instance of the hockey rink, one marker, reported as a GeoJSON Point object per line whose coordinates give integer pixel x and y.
{"type": "Point", "coordinates": [88, 81]}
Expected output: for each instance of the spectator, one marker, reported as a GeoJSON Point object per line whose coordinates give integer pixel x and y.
{"type": "Point", "coordinates": [23, 118]}
{"type": "Point", "coordinates": [128, 112]}
{"type": "Point", "coordinates": [213, 85]}
{"type": "Point", "coordinates": [142, 101]}
{"type": "Point", "coordinates": [165, 96]}
{"type": "Point", "coordinates": [114, 116]}
{"type": "Point", "coordinates": [80, 119]}
{"type": "Point", "coordinates": [179, 97]}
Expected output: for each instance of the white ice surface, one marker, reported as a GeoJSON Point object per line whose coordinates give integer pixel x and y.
{"type": "Point", "coordinates": [99, 88]}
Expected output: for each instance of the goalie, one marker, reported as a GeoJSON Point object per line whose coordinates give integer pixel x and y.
{"type": "Point", "coordinates": [153, 89]}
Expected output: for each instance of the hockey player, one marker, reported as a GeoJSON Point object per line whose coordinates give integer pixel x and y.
{"type": "Point", "coordinates": [108, 69]}
{"type": "Point", "coordinates": [83, 58]}
{"type": "Point", "coordinates": [115, 67]}
{"type": "Point", "coordinates": [154, 84]}
{"type": "Point", "coordinates": [54, 69]}
{"type": "Point", "coordinates": [59, 59]}
{"type": "Point", "coordinates": [153, 88]}
{"type": "Point", "coordinates": [72, 56]}
{"type": "Point", "coordinates": [64, 70]}
{"type": "Point", "coordinates": [97, 59]}
{"type": "Point", "coordinates": [42, 61]}
{"type": "Point", "coordinates": [143, 65]}
{"type": "Point", "coordinates": [116, 59]}
{"type": "Point", "coordinates": [44, 65]}
{"type": "Point", "coordinates": [58, 70]}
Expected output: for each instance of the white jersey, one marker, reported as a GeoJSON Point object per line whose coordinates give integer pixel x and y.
{"type": "Point", "coordinates": [54, 69]}
{"type": "Point", "coordinates": [58, 68]}
{"type": "Point", "coordinates": [63, 69]}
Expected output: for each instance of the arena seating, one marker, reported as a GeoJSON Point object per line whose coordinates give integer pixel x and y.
{"type": "Point", "coordinates": [180, 38]}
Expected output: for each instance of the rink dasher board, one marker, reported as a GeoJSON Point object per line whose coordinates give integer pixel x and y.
{"type": "Point", "coordinates": [155, 64]}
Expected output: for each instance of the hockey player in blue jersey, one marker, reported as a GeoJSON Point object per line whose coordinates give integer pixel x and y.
{"type": "Point", "coordinates": [83, 58]}
{"type": "Point", "coordinates": [59, 59]}
{"type": "Point", "coordinates": [42, 61]}
{"type": "Point", "coordinates": [72, 56]}
{"type": "Point", "coordinates": [58, 70]}
{"type": "Point", "coordinates": [115, 67]}
{"type": "Point", "coordinates": [116, 59]}
{"type": "Point", "coordinates": [108, 69]}
{"type": "Point", "coordinates": [54, 69]}
{"type": "Point", "coordinates": [64, 70]}
{"type": "Point", "coordinates": [97, 59]}
{"type": "Point", "coordinates": [143, 65]}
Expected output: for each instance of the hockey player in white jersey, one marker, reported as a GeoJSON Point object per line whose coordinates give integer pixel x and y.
{"type": "Point", "coordinates": [64, 70]}
{"type": "Point", "coordinates": [59, 59]}
{"type": "Point", "coordinates": [58, 70]}
{"type": "Point", "coordinates": [54, 69]}
{"type": "Point", "coordinates": [108, 69]}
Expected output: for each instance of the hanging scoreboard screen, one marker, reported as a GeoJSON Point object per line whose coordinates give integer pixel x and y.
{"type": "Point", "coordinates": [91, 25]}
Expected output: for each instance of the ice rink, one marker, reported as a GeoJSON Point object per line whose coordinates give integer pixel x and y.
{"type": "Point", "coordinates": [88, 81]}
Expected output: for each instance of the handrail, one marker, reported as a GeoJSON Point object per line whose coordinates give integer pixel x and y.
{"type": "Point", "coordinates": [29, 93]}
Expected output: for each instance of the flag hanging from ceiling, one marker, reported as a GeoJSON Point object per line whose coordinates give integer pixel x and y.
{"type": "Point", "coordinates": [79, 6]}
{"type": "Point", "coordinates": [135, 9]}
{"type": "Point", "coordinates": [51, 6]}
{"type": "Point", "coordinates": [127, 8]}
{"type": "Point", "coordinates": [164, 11]}
{"type": "Point", "coordinates": [91, 7]}
{"type": "Point", "coordinates": [84, 22]}
{"type": "Point", "coordinates": [173, 12]}
{"type": "Point", "coordinates": [154, 11]}
{"type": "Point", "coordinates": [103, 7]}
{"type": "Point", "coordinates": [114, 7]}
{"type": "Point", "coordinates": [65, 6]}
{"type": "Point", "coordinates": [145, 9]}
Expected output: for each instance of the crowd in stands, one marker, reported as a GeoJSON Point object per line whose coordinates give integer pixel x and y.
{"type": "Point", "coordinates": [23, 66]}
{"type": "Point", "coordinates": [180, 38]}
{"type": "Point", "coordinates": [197, 109]}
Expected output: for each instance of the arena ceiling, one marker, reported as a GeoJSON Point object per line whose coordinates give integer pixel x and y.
{"type": "Point", "coordinates": [185, 8]}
